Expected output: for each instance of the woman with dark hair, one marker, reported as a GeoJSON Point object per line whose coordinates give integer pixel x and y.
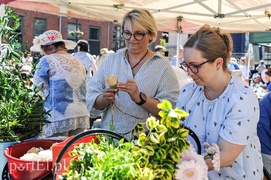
{"type": "Point", "coordinates": [87, 60]}
{"type": "Point", "coordinates": [223, 110]}
{"type": "Point", "coordinates": [62, 79]}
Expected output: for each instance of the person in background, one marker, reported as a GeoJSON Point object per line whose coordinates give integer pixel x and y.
{"type": "Point", "coordinates": [256, 81]}
{"type": "Point", "coordinates": [248, 67]}
{"type": "Point", "coordinates": [180, 73]}
{"type": "Point", "coordinates": [61, 78]}
{"type": "Point", "coordinates": [87, 60]}
{"type": "Point", "coordinates": [142, 78]}
{"type": "Point", "coordinates": [26, 68]}
{"type": "Point", "coordinates": [264, 129]}
{"type": "Point", "coordinates": [222, 109]}
{"type": "Point", "coordinates": [101, 57]}
{"type": "Point", "coordinates": [160, 49]}
{"type": "Point", "coordinates": [268, 79]}
{"type": "Point", "coordinates": [261, 67]}
{"type": "Point", "coordinates": [176, 61]}
{"type": "Point", "coordinates": [234, 67]}
{"type": "Point", "coordinates": [94, 57]}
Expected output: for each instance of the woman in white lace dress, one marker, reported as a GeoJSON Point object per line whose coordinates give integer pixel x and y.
{"type": "Point", "coordinates": [62, 80]}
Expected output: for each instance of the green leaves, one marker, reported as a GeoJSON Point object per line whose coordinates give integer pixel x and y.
{"type": "Point", "coordinates": [21, 107]}
{"type": "Point", "coordinates": [153, 157]}
{"type": "Point", "coordinates": [165, 139]}
{"type": "Point", "coordinates": [106, 161]}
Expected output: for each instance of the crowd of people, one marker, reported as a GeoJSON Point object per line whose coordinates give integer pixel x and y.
{"type": "Point", "coordinates": [223, 110]}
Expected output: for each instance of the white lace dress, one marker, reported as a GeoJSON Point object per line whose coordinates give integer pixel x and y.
{"type": "Point", "coordinates": [62, 80]}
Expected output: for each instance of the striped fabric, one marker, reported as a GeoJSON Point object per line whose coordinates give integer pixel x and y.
{"type": "Point", "coordinates": [155, 78]}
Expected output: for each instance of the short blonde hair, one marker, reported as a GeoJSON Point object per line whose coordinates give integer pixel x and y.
{"type": "Point", "coordinates": [143, 20]}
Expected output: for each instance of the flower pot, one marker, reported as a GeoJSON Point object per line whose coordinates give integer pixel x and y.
{"type": "Point", "coordinates": [28, 169]}
{"type": "Point", "coordinates": [3, 146]}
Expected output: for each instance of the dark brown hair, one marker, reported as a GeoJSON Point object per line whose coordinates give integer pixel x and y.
{"type": "Point", "coordinates": [268, 72]}
{"type": "Point", "coordinates": [83, 45]}
{"type": "Point", "coordinates": [212, 43]}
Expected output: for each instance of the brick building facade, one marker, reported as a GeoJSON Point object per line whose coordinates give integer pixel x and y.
{"type": "Point", "coordinates": [105, 30]}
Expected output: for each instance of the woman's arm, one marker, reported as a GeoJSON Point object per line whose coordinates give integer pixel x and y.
{"type": "Point", "coordinates": [221, 155]}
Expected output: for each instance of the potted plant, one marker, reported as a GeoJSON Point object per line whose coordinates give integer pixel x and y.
{"type": "Point", "coordinates": [21, 107]}
{"type": "Point", "coordinates": [155, 154]}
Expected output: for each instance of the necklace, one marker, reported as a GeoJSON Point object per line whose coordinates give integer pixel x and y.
{"type": "Point", "coordinates": [138, 61]}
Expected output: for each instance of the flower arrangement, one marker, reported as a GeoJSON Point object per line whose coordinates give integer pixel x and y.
{"type": "Point", "coordinates": [161, 152]}
{"type": "Point", "coordinates": [76, 32]}
{"type": "Point", "coordinates": [44, 38]}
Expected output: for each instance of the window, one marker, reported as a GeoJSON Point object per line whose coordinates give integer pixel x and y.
{"type": "Point", "coordinates": [72, 27]}
{"type": "Point", "coordinates": [118, 41]}
{"type": "Point", "coordinates": [94, 40]}
{"type": "Point", "coordinates": [39, 26]}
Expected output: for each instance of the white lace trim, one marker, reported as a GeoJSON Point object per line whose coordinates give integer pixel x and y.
{"type": "Point", "coordinates": [65, 125]}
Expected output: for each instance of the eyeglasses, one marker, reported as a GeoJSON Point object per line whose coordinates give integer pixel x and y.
{"type": "Point", "coordinates": [193, 68]}
{"type": "Point", "coordinates": [138, 35]}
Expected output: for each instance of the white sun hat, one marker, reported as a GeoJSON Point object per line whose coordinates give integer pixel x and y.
{"type": "Point", "coordinates": [50, 37]}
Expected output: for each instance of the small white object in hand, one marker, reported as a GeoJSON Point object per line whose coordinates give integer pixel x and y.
{"type": "Point", "coordinates": [213, 153]}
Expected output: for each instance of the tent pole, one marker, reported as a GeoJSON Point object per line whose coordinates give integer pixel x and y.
{"type": "Point", "coordinates": [179, 31]}
{"type": "Point", "coordinates": [178, 47]}
{"type": "Point", "coordinates": [249, 59]}
{"type": "Point", "coordinates": [60, 23]}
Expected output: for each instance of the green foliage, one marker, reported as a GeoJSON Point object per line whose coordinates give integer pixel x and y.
{"type": "Point", "coordinates": [114, 160]}
{"type": "Point", "coordinates": [165, 141]}
{"type": "Point", "coordinates": [163, 43]}
{"type": "Point", "coordinates": [154, 156]}
{"type": "Point", "coordinates": [21, 107]}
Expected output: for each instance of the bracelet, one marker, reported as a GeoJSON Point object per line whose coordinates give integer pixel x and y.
{"type": "Point", "coordinates": [212, 152]}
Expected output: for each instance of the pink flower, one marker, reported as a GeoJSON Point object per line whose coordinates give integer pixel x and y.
{"type": "Point", "coordinates": [190, 170]}
{"type": "Point", "coordinates": [51, 37]}
{"type": "Point", "coordinates": [191, 166]}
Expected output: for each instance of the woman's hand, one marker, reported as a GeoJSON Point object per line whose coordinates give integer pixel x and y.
{"type": "Point", "coordinates": [106, 98]}
{"type": "Point", "coordinates": [130, 86]}
{"type": "Point", "coordinates": [109, 95]}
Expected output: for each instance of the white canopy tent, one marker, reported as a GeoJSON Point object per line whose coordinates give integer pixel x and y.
{"type": "Point", "coordinates": [230, 15]}
{"type": "Point", "coordinates": [234, 16]}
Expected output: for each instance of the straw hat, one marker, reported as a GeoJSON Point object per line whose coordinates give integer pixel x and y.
{"type": "Point", "coordinates": [50, 37]}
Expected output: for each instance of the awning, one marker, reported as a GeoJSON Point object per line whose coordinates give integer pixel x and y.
{"type": "Point", "coordinates": [234, 16]}
{"type": "Point", "coordinates": [260, 37]}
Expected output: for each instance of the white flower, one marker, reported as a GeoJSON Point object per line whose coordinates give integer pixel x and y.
{"type": "Point", "coordinates": [112, 81]}
{"type": "Point", "coordinates": [173, 114]}
{"type": "Point", "coordinates": [36, 40]}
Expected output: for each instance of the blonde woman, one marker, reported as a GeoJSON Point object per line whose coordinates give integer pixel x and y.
{"type": "Point", "coordinates": [144, 78]}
